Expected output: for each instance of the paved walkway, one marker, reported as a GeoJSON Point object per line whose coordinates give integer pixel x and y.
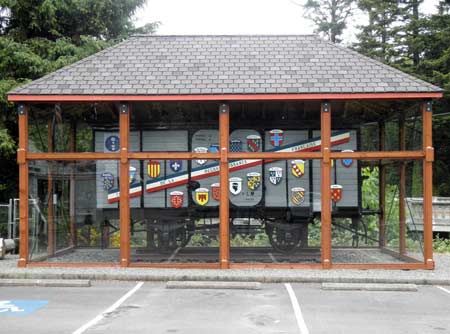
{"type": "Point", "coordinates": [439, 276]}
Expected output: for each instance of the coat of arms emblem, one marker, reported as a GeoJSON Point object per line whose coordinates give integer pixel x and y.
{"type": "Point", "coordinates": [112, 143]}
{"type": "Point", "coordinates": [201, 150]}
{"type": "Point", "coordinates": [298, 168]}
{"type": "Point", "coordinates": [108, 181]}
{"type": "Point", "coordinates": [276, 137]}
{"type": "Point", "coordinates": [235, 185]}
{"type": "Point", "coordinates": [235, 145]}
{"type": "Point", "coordinates": [132, 174]}
{"type": "Point", "coordinates": [153, 168]}
{"type": "Point", "coordinates": [176, 165]}
{"type": "Point", "coordinates": [347, 163]}
{"type": "Point", "coordinates": [253, 143]}
{"type": "Point", "coordinates": [176, 199]}
{"type": "Point", "coordinates": [297, 196]}
{"type": "Point", "coordinates": [214, 148]}
{"type": "Point", "coordinates": [336, 192]}
{"type": "Point", "coordinates": [202, 196]}
{"type": "Point", "coordinates": [215, 191]}
{"type": "Point", "coordinates": [275, 175]}
{"type": "Point", "coordinates": [253, 180]}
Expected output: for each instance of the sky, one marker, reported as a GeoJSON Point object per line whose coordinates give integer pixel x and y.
{"type": "Point", "coordinates": [212, 17]}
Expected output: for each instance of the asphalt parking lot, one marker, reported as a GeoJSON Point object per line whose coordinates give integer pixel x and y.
{"type": "Point", "coordinates": [134, 307]}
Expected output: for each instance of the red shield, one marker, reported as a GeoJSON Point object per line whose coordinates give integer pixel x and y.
{"type": "Point", "coordinates": [176, 199]}
{"type": "Point", "coordinates": [215, 189]}
{"type": "Point", "coordinates": [336, 192]}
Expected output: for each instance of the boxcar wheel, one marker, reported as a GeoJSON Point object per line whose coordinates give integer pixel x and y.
{"type": "Point", "coordinates": [284, 237]}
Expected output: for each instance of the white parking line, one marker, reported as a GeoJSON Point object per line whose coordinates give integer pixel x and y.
{"type": "Point", "coordinates": [443, 289]}
{"type": "Point", "coordinates": [297, 311]}
{"type": "Point", "coordinates": [111, 309]}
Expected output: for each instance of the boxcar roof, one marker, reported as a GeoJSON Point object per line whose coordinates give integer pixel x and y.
{"type": "Point", "coordinates": [243, 64]}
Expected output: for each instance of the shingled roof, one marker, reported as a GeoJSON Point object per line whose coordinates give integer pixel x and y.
{"type": "Point", "coordinates": [187, 65]}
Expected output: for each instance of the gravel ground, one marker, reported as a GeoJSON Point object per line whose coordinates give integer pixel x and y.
{"type": "Point", "coordinates": [441, 275]}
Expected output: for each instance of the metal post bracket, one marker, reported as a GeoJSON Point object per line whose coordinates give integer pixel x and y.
{"type": "Point", "coordinates": [124, 155]}
{"type": "Point", "coordinates": [429, 154]}
{"type": "Point", "coordinates": [21, 156]}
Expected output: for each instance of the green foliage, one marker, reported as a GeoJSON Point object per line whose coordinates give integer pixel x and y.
{"type": "Point", "coordinates": [441, 245]}
{"type": "Point", "coordinates": [330, 17]}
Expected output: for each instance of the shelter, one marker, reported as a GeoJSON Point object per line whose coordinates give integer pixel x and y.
{"type": "Point", "coordinates": [206, 151]}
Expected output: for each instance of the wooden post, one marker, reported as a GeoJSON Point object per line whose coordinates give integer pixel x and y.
{"type": "Point", "coordinates": [402, 190]}
{"type": "Point", "coordinates": [124, 121]}
{"type": "Point", "coordinates": [224, 226]}
{"type": "Point", "coordinates": [325, 135]}
{"type": "Point", "coordinates": [427, 146]}
{"type": "Point", "coordinates": [72, 189]}
{"type": "Point", "coordinates": [23, 184]}
{"type": "Point", "coordinates": [382, 190]}
{"type": "Point", "coordinates": [50, 214]}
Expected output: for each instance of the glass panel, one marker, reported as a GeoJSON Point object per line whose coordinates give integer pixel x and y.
{"type": "Point", "coordinates": [177, 217]}
{"type": "Point", "coordinates": [371, 234]}
{"type": "Point", "coordinates": [73, 216]}
{"type": "Point", "coordinates": [359, 124]}
{"type": "Point", "coordinates": [92, 127]}
{"type": "Point", "coordinates": [275, 205]}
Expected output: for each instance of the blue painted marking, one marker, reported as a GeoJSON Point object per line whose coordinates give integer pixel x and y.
{"type": "Point", "coordinates": [21, 307]}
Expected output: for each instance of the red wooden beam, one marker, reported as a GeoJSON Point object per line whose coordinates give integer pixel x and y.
{"type": "Point", "coordinates": [221, 97]}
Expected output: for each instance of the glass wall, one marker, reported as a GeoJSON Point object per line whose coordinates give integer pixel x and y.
{"type": "Point", "coordinates": [275, 204]}
{"type": "Point", "coordinates": [80, 127]}
{"type": "Point", "coordinates": [74, 215]}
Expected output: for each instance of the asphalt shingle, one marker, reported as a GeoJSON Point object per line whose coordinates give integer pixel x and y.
{"type": "Point", "coordinates": [270, 64]}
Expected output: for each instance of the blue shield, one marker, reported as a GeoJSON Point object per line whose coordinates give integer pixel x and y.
{"type": "Point", "coordinates": [176, 165]}
{"type": "Point", "coordinates": [235, 145]}
{"type": "Point", "coordinates": [214, 148]}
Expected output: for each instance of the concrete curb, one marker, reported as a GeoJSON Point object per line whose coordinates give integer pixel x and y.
{"type": "Point", "coordinates": [162, 277]}
{"type": "Point", "coordinates": [60, 283]}
{"type": "Point", "coordinates": [369, 287]}
{"type": "Point", "coordinates": [213, 285]}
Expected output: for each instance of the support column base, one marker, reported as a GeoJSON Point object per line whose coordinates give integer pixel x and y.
{"type": "Point", "coordinates": [22, 263]}
{"type": "Point", "coordinates": [224, 264]}
{"type": "Point", "coordinates": [326, 264]}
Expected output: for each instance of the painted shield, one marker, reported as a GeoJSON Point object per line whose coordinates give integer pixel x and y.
{"type": "Point", "coordinates": [253, 143]}
{"type": "Point", "coordinates": [336, 192]}
{"type": "Point", "coordinates": [235, 145]}
{"type": "Point", "coordinates": [276, 137]}
{"type": "Point", "coordinates": [176, 165]}
{"type": "Point", "coordinates": [153, 169]}
{"type": "Point", "coordinates": [298, 168]}
{"type": "Point", "coordinates": [202, 196]}
{"type": "Point", "coordinates": [215, 191]}
{"type": "Point", "coordinates": [201, 150]}
{"type": "Point", "coordinates": [253, 180]}
{"type": "Point", "coordinates": [235, 185]}
{"type": "Point", "coordinates": [112, 143]}
{"type": "Point", "coordinates": [132, 174]}
{"type": "Point", "coordinates": [176, 199]}
{"type": "Point", "coordinates": [347, 163]}
{"type": "Point", "coordinates": [297, 196]}
{"type": "Point", "coordinates": [108, 181]}
{"type": "Point", "coordinates": [214, 148]}
{"type": "Point", "coordinates": [275, 175]}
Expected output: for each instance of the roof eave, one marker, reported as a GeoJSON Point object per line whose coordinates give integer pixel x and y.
{"type": "Point", "coordinates": [224, 97]}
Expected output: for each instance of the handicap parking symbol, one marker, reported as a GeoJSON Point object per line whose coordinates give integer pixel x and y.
{"type": "Point", "coordinates": [21, 307]}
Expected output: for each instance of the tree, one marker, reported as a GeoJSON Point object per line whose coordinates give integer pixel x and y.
{"type": "Point", "coordinates": [40, 36]}
{"type": "Point", "coordinates": [329, 16]}
{"type": "Point", "coordinates": [376, 39]}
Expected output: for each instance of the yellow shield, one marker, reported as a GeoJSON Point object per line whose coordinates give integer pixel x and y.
{"type": "Point", "coordinates": [202, 196]}
{"type": "Point", "coordinates": [298, 168]}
